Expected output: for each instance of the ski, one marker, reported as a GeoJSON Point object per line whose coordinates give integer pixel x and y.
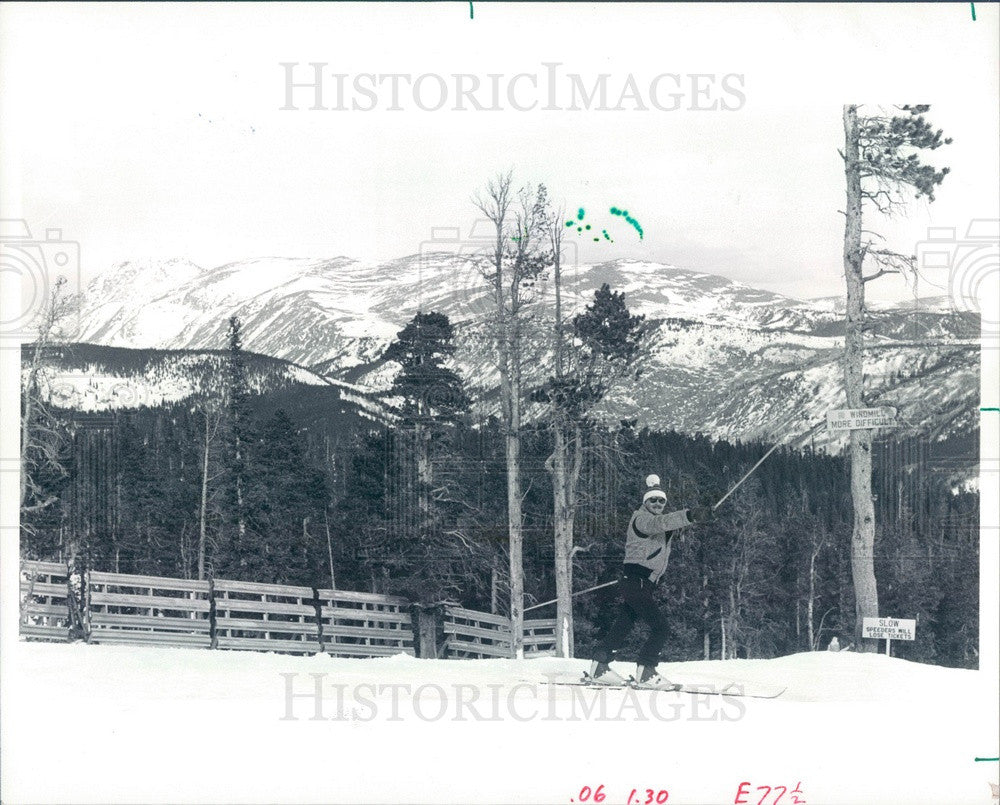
{"type": "Point", "coordinates": [704, 689]}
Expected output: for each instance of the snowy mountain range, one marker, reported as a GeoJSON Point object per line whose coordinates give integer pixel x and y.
{"type": "Point", "coordinates": [725, 359]}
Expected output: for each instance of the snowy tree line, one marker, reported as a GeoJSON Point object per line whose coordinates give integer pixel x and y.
{"type": "Point", "coordinates": [321, 505]}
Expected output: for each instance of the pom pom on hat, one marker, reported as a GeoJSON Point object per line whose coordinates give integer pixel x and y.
{"type": "Point", "coordinates": [653, 488]}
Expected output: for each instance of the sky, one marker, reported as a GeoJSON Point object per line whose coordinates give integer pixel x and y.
{"type": "Point", "coordinates": [157, 130]}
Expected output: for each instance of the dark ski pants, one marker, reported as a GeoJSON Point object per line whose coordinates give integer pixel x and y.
{"type": "Point", "coordinates": [635, 592]}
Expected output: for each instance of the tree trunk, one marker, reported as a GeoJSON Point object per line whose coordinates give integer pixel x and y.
{"type": "Point", "coordinates": [514, 523]}
{"type": "Point", "coordinates": [564, 469]}
{"type": "Point", "coordinates": [329, 550]}
{"type": "Point", "coordinates": [722, 625]}
{"type": "Point", "coordinates": [240, 519]}
{"type": "Point", "coordinates": [425, 478]}
{"type": "Point", "coordinates": [27, 416]}
{"type": "Point", "coordinates": [203, 512]}
{"type": "Point", "coordinates": [863, 537]}
{"type": "Point", "coordinates": [556, 240]}
{"type": "Point", "coordinates": [510, 388]}
{"type": "Point", "coordinates": [810, 604]}
{"type": "Point", "coordinates": [563, 546]}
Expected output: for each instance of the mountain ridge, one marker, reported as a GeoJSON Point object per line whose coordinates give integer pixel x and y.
{"type": "Point", "coordinates": [724, 358]}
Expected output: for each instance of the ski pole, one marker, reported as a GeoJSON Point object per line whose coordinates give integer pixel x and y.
{"type": "Point", "coordinates": [588, 590]}
{"type": "Point", "coordinates": [755, 466]}
{"type": "Point", "coordinates": [741, 480]}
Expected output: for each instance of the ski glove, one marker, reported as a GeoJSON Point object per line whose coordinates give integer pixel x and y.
{"type": "Point", "coordinates": [701, 514]}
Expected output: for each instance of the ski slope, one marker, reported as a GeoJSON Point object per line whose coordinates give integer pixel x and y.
{"type": "Point", "coordinates": [136, 724]}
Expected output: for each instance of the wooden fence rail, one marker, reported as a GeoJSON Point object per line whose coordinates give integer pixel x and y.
{"type": "Point", "coordinates": [147, 610]}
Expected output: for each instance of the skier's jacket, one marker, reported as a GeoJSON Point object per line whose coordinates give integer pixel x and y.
{"type": "Point", "coordinates": [647, 540]}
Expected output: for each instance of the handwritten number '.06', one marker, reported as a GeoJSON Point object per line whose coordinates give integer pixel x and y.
{"type": "Point", "coordinates": [599, 794]}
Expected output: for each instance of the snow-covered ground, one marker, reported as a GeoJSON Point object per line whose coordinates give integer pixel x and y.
{"type": "Point", "coordinates": [129, 724]}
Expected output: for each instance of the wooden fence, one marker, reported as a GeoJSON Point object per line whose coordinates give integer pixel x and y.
{"type": "Point", "coordinates": [477, 635]}
{"type": "Point", "coordinates": [44, 600]}
{"type": "Point", "coordinates": [540, 638]}
{"type": "Point", "coordinates": [147, 610]}
{"type": "Point", "coordinates": [150, 610]}
{"type": "Point", "coordinates": [364, 625]}
{"type": "Point", "coordinates": [265, 617]}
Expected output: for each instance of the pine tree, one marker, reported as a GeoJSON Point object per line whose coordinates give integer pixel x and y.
{"type": "Point", "coordinates": [241, 547]}
{"type": "Point", "coordinates": [287, 516]}
{"type": "Point", "coordinates": [607, 340]}
{"type": "Point", "coordinates": [431, 391]}
{"type": "Point", "coordinates": [882, 166]}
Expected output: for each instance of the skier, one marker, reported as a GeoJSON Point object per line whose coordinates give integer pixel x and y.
{"type": "Point", "coordinates": [647, 548]}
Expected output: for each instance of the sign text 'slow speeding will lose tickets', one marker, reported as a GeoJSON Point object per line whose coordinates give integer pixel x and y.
{"type": "Point", "coordinates": [889, 628]}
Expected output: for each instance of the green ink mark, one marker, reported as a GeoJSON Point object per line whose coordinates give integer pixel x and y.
{"type": "Point", "coordinates": [989, 409]}
{"type": "Point", "coordinates": [471, 15]}
{"type": "Point", "coordinates": [973, 11]}
{"type": "Point", "coordinates": [582, 226]}
{"type": "Point", "coordinates": [980, 759]}
{"type": "Point", "coordinates": [628, 219]}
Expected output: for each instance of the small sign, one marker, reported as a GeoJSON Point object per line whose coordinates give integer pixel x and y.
{"type": "Point", "coordinates": [889, 628]}
{"type": "Point", "coordinates": [854, 418]}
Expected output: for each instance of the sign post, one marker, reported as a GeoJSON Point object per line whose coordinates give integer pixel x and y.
{"type": "Point", "coordinates": [856, 418]}
{"type": "Point", "coordinates": [889, 629]}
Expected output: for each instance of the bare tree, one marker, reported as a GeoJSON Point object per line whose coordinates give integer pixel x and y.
{"type": "Point", "coordinates": [882, 168]}
{"type": "Point", "coordinates": [818, 537]}
{"type": "Point", "coordinates": [512, 265]}
{"type": "Point", "coordinates": [41, 437]}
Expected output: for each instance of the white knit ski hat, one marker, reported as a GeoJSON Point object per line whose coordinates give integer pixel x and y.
{"type": "Point", "coordinates": [653, 488]}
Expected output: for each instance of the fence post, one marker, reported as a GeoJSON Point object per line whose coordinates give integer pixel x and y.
{"type": "Point", "coordinates": [320, 636]}
{"type": "Point", "coordinates": [78, 598]}
{"type": "Point", "coordinates": [213, 637]}
{"type": "Point", "coordinates": [428, 625]}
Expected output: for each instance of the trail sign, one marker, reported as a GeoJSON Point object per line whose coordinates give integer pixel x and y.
{"type": "Point", "coordinates": [854, 418]}
{"type": "Point", "coordinates": [889, 629]}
